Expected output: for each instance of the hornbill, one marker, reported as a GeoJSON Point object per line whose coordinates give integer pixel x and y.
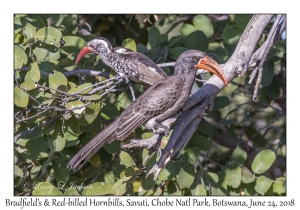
{"type": "Point", "coordinates": [133, 66]}
{"type": "Point", "coordinates": [158, 102]}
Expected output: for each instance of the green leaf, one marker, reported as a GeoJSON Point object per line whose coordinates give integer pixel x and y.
{"type": "Point", "coordinates": [35, 72]}
{"type": "Point", "coordinates": [203, 23]}
{"type": "Point", "coordinates": [151, 161]}
{"type": "Point", "coordinates": [60, 171]}
{"type": "Point", "coordinates": [71, 191]}
{"type": "Point", "coordinates": [142, 48]}
{"type": "Point", "coordinates": [57, 79]}
{"type": "Point", "coordinates": [233, 175]}
{"type": "Point", "coordinates": [187, 29]}
{"type": "Point", "coordinates": [278, 187]}
{"type": "Point", "coordinates": [48, 35]}
{"type": "Point", "coordinates": [29, 31]}
{"type": "Point", "coordinates": [20, 97]}
{"type": "Point", "coordinates": [58, 19]}
{"type": "Point", "coordinates": [129, 44]}
{"type": "Point", "coordinates": [119, 188]}
{"type": "Point", "coordinates": [71, 129]}
{"type": "Point", "coordinates": [73, 44]}
{"type": "Point", "coordinates": [241, 20]}
{"type": "Point", "coordinates": [218, 191]}
{"type": "Point", "coordinates": [220, 102]}
{"type": "Point", "coordinates": [198, 190]}
{"type": "Point", "coordinates": [273, 90]}
{"type": "Point", "coordinates": [196, 40]}
{"type": "Point", "coordinates": [18, 172]}
{"type": "Point", "coordinates": [231, 36]}
{"type": "Point", "coordinates": [247, 176]}
{"type": "Point", "coordinates": [128, 173]}
{"type": "Point", "coordinates": [81, 89]}
{"type": "Point", "coordinates": [74, 104]}
{"type": "Point", "coordinates": [126, 159]}
{"type": "Point", "coordinates": [200, 141]}
{"type": "Point", "coordinates": [45, 52]}
{"type": "Point", "coordinates": [268, 73]}
{"type": "Point", "coordinates": [36, 148]}
{"type": "Point", "coordinates": [210, 178]}
{"type": "Point", "coordinates": [148, 183]}
{"type": "Point", "coordinates": [263, 161]}
{"type": "Point", "coordinates": [45, 188]}
{"type": "Point", "coordinates": [170, 171]}
{"type": "Point", "coordinates": [186, 176]}
{"type": "Point", "coordinates": [90, 114]}
{"type": "Point", "coordinates": [20, 57]}
{"type": "Point", "coordinates": [176, 51]}
{"type": "Point", "coordinates": [239, 155]}
{"type": "Point", "coordinates": [113, 147]}
{"type": "Point", "coordinates": [97, 188]}
{"type": "Point", "coordinates": [36, 20]}
{"type": "Point", "coordinates": [262, 184]}
{"type": "Point", "coordinates": [68, 152]}
{"type": "Point", "coordinates": [124, 100]}
{"type": "Point", "coordinates": [28, 85]}
{"type": "Point", "coordinates": [219, 52]}
{"type": "Point", "coordinates": [57, 140]}
{"type": "Point", "coordinates": [191, 154]}
{"type": "Point", "coordinates": [154, 37]}
{"type": "Point", "coordinates": [19, 23]}
{"type": "Point", "coordinates": [92, 97]}
{"type": "Point", "coordinates": [109, 111]}
{"type": "Point", "coordinates": [110, 178]}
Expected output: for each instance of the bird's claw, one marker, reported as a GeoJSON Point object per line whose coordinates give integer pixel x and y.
{"type": "Point", "coordinates": [161, 129]}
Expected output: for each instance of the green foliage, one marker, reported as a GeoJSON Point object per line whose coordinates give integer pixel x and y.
{"type": "Point", "coordinates": [216, 161]}
{"type": "Point", "coordinates": [263, 161]}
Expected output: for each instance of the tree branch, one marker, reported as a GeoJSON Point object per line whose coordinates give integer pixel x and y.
{"type": "Point", "coordinates": [24, 133]}
{"type": "Point", "coordinates": [237, 65]}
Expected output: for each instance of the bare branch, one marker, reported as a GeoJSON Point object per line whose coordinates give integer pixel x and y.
{"type": "Point", "coordinates": [73, 72]}
{"type": "Point", "coordinates": [259, 57]}
{"type": "Point", "coordinates": [24, 133]}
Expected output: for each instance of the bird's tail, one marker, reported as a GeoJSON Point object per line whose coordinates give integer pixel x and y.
{"type": "Point", "coordinates": [91, 148]}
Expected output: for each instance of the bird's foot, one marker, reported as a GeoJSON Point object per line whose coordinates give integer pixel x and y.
{"type": "Point", "coordinates": [125, 78]}
{"type": "Point", "coordinates": [149, 144]}
{"type": "Point", "coordinates": [161, 129]}
{"type": "Point", "coordinates": [157, 128]}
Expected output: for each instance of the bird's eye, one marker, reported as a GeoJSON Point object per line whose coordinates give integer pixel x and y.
{"type": "Point", "coordinates": [195, 59]}
{"type": "Point", "coordinates": [92, 46]}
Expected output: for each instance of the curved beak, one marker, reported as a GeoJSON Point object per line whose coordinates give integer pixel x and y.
{"type": "Point", "coordinates": [209, 64]}
{"type": "Point", "coordinates": [82, 53]}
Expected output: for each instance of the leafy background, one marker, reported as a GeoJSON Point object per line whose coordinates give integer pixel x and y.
{"type": "Point", "coordinates": [239, 147]}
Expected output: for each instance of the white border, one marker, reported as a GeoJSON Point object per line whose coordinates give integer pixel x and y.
{"type": "Point", "coordinates": [153, 6]}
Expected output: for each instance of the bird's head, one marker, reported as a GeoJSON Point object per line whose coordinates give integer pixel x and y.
{"type": "Point", "coordinates": [99, 45]}
{"type": "Point", "coordinates": [192, 60]}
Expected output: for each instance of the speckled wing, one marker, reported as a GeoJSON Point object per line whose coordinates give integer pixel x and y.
{"type": "Point", "coordinates": [145, 69]}
{"type": "Point", "coordinates": [157, 99]}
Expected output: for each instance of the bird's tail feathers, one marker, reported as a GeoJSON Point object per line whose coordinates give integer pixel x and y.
{"type": "Point", "coordinates": [91, 148]}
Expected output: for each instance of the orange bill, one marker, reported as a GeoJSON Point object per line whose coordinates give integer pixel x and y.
{"type": "Point", "coordinates": [82, 53]}
{"type": "Point", "coordinates": [209, 64]}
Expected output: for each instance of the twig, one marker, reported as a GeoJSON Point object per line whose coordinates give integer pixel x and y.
{"type": "Point", "coordinates": [24, 133]}
{"type": "Point", "coordinates": [261, 54]}
{"type": "Point", "coordinates": [73, 72]}
{"type": "Point", "coordinates": [27, 118]}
